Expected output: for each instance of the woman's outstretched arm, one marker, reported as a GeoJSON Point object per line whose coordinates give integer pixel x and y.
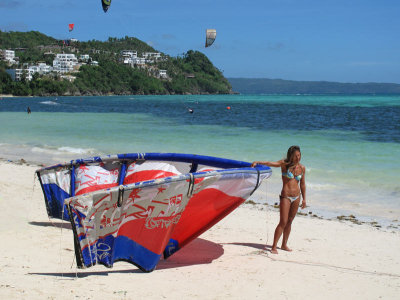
{"type": "Point", "coordinates": [274, 164]}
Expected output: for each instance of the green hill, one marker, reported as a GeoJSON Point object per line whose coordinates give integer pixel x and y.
{"type": "Point", "coordinates": [191, 73]}
{"type": "Point", "coordinates": [279, 86]}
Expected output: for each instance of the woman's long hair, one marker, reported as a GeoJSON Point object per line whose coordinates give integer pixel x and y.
{"type": "Point", "coordinates": [289, 157]}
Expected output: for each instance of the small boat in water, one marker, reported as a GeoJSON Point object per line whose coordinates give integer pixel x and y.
{"type": "Point", "coordinates": [136, 207]}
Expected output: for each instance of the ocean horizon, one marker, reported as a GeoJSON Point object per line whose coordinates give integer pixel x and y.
{"type": "Point", "coordinates": [350, 144]}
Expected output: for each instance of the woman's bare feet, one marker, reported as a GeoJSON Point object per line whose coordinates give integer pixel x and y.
{"type": "Point", "coordinates": [286, 248]}
{"type": "Point", "coordinates": [274, 251]}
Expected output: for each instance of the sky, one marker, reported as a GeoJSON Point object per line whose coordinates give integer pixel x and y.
{"type": "Point", "coordinates": [308, 40]}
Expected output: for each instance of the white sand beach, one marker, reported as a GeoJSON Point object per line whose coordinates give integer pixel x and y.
{"type": "Point", "coordinates": [330, 259]}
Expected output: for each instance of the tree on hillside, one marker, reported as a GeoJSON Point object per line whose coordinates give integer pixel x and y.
{"type": "Point", "coordinates": [110, 76]}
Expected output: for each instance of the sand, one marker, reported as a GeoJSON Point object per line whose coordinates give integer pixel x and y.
{"type": "Point", "coordinates": [330, 259]}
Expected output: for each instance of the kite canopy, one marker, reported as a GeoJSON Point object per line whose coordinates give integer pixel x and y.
{"type": "Point", "coordinates": [137, 207]}
{"type": "Point", "coordinates": [71, 27]}
{"type": "Point", "coordinates": [211, 34]}
{"type": "Point", "coordinates": [106, 4]}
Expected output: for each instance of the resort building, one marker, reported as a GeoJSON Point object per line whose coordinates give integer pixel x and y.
{"type": "Point", "coordinates": [128, 56]}
{"type": "Point", "coordinates": [131, 58]}
{"type": "Point", "coordinates": [152, 56]}
{"type": "Point", "coordinates": [19, 74]}
{"type": "Point", "coordinates": [64, 63]}
{"type": "Point", "coordinates": [162, 73]}
{"type": "Point", "coordinates": [139, 61]}
{"type": "Point", "coordinates": [8, 55]}
{"type": "Point", "coordinates": [129, 53]}
{"type": "Point", "coordinates": [42, 68]}
{"type": "Point", "coordinates": [84, 57]}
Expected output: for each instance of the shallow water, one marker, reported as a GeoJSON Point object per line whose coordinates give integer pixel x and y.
{"type": "Point", "coordinates": [350, 144]}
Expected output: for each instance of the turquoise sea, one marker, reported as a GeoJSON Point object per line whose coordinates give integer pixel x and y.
{"type": "Point", "coordinates": [350, 144]}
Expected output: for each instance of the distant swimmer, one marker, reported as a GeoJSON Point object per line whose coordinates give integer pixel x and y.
{"type": "Point", "coordinates": [28, 110]}
{"type": "Point", "coordinates": [190, 110]}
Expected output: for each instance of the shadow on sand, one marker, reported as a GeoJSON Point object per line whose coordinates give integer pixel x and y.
{"type": "Point", "coordinates": [64, 225]}
{"type": "Point", "coordinates": [252, 245]}
{"type": "Point", "coordinates": [197, 252]}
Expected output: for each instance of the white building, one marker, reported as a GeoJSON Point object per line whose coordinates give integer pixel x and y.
{"type": "Point", "coordinates": [34, 69]}
{"type": "Point", "coordinates": [43, 68]}
{"type": "Point", "coordinates": [84, 57]}
{"type": "Point", "coordinates": [64, 63]}
{"type": "Point", "coordinates": [94, 63]}
{"type": "Point", "coordinates": [9, 56]}
{"type": "Point", "coordinates": [162, 73]}
{"type": "Point", "coordinates": [151, 57]}
{"type": "Point", "coordinates": [128, 56]}
{"type": "Point", "coordinates": [129, 53]}
{"type": "Point", "coordinates": [139, 61]}
{"type": "Point", "coordinates": [17, 74]}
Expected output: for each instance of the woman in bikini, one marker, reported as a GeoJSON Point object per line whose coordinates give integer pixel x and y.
{"type": "Point", "coordinates": [294, 183]}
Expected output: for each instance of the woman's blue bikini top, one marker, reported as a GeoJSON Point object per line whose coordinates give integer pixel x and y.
{"type": "Point", "coordinates": [290, 175]}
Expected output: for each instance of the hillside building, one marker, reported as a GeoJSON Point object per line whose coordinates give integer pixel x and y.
{"type": "Point", "coordinates": [19, 74]}
{"type": "Point", "coordinates": [9, 56]}
{"type": "Point", "coordinates": [64, 63]}
{"type": "Point", "coordinates": [128, 56]}
{"type": "Point", "coordinates": [151, 57]}
{"type": "Point", "coordinates": [84, 57]}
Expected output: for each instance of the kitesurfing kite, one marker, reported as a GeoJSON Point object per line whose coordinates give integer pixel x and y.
{"type": "Point", "coordinates": [211, 34]}
{"type": "Point", "coordinates": [137, 207]}
{"type": "Point", "coordinates": [106, 4]}
{"type": "Point", "coordinates": [70, 27]}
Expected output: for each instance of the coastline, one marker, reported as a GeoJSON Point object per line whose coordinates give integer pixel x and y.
{"type": "Point", "coordinates": [226, 261]}
{"type": "Point", "coordinates": [257, 200]}
{"type": "Point", "coordinates": [92, 94]}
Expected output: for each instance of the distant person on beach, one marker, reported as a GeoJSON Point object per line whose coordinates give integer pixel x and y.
{"type": "Point", "coordinates": [294, 183]}
{"type": "Point", "coordinates": [28, 110]}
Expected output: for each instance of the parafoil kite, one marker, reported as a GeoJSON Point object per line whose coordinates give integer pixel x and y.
{"type": "Point", "coordinates": [70, 27]}
{"type": "Point", "coordinates": [211, 34]}
{"type": "Point", "coordinates": [106, 4]}
{"type": "Point", "coordinates": [137, 207]}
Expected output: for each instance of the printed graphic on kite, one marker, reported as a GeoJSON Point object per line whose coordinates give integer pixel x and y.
{"type": "Point", "coordinates": [137, 207]}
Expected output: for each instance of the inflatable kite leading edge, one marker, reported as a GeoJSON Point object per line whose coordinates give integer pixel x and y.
{"type": "Point", "coordinates": [137, 207]}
